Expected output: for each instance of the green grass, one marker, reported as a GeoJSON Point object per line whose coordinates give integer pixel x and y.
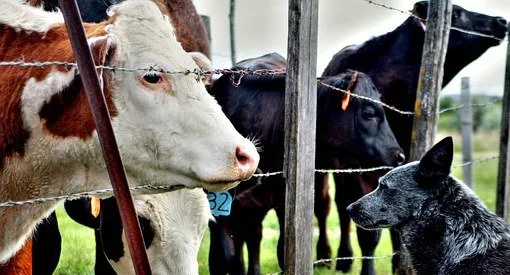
{"type": "Point", "coordinates": [78, 242]}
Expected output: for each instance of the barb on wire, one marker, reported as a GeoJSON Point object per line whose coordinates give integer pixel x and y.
{"type": "Point", "coordinates": [90, 193]}
{"type": "Point", "coordinates": [367, 98]}
{"type": "Point", "coordinates": [425, 20]}
{"type": "Point", "coordinates": [472, 105]}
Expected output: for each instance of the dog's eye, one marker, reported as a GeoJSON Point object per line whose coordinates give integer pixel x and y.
{"type": "Point", "coordinates": [383, 186]}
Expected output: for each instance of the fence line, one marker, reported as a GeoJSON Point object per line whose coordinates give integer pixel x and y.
{"type": "Point", "coordinates": [321, 261]}
{"type": "Point", "coordinates": [425, 20]}
{"type": "Point", "coordinates": [470, 105]}
{"type": "Point", "coordinates": [236, 82]}
{"type": "Point", "coordinates": [167, 188]}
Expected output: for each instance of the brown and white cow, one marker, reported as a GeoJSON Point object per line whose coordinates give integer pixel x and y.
{"type": "Point", "coordinates": [169, 130]}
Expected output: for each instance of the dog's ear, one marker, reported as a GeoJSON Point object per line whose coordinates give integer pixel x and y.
{"type": "Point", "coordinates": [434, 166]}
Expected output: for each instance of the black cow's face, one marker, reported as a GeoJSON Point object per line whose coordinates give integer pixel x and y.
{"type": "Point", "coordinates": [462, 44]}
{"type": "Point", "coordinates": [469, 21]}
{"type": "Point", "coordinates": [361, 131]}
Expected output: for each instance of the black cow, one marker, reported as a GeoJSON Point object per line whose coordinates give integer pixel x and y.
{"type": "Point", "coordinates": [356, 137]}
{"type": "Point", "coordinates": [393, 62]}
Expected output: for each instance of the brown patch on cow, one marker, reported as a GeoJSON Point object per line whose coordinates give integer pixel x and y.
{"type": "Point", "coordinates": [189, 28]}
{"type": "Point", "coordinates": [54, 45]}
{"type": "Point", "coordinates": [35, 3]}
{"type": "Point", "coordinates": [21, 263]}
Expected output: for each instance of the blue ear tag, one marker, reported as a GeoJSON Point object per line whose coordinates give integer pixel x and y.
{"type": "Point", "coordinates": [220, 203]}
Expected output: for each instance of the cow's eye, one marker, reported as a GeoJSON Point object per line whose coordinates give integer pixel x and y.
{"type": "Point", "coordinates": [152, 77]}
{"type": "Point", "coordinates": [368, 112]}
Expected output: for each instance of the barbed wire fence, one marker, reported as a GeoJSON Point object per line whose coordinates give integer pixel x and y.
{"type": "Point", "coordinates": [236, 77]}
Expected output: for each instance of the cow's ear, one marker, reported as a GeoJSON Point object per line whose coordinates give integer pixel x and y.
{"type": "Point", "coordinates": [103, 49]}
{"type": "Point", "coordinates": [435, 165]}
{"type": "Point", "coordinates": [420, 9]}
{"type": "Point", "coordinates": [204, 64]}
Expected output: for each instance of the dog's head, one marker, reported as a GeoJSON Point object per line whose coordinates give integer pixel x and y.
{"type": "Point", "coordinates": [403, 190]}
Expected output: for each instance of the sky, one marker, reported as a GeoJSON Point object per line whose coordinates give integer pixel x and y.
{"type": "Point", "coordinates": [261, 27]}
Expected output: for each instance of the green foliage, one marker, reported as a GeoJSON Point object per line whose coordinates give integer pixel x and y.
{"type": "Point", "coordinates": [485, 118]}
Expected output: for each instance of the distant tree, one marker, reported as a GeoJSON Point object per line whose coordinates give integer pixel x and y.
{"type": "Point", "coordinates": [446, 102]}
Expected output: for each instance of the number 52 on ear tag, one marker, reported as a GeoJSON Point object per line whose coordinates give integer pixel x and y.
{"type": "Point", "coordinates": [220, 203]}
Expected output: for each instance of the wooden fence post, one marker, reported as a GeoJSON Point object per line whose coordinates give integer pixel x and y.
{"type": "Point", "coordinates": [503, 191]}
{"type": "Point", "coordinates": [207, 24]}
{"type": "Point", "coordinates": [466, 128]}
{"type": "Point", "coordinates": [232, 19]}
{"type": "Point", "coordinates": [300, 123]}
{"type": "Point", "coordinates": [429, 85]}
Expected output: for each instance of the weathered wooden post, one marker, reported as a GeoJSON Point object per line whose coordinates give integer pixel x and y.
{"type": "Point", "coordinates": [300, 121]}
{"type": "Point", "coordinates": [232, 19]}
{"type": "Point", "coordinates": [429, 85]}
{"type": "Point", "coordinates": [503, 195]}
{"type": "Point", "coordinates": [466, 128]}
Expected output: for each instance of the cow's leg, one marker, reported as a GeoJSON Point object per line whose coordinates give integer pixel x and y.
{"type": "Point", "coordinates": [280, 212]}
{"type": "Point", "coordinates": [321, 209]}
{"type": "Point", "coordinates": [253, 244]}
{"type": "Point", "coordinates": [46, 246]}
{"type": "Point", "coordinates": [237, 262]}
{"type": "Point", "coordinates": [221, 250]}
{"type": "Point", "coordinates": [249, 209]}
{"type": "Point", "coordinates": [368, 240]}
{"type": "Point", "coordinates": [342, 201]}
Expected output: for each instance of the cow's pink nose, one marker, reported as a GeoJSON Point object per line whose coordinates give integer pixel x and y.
{"type": "Point", "coordinates": [247, 160]}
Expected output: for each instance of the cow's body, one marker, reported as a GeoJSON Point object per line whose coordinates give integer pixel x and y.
{"type": "Point", "coordinates": [357, 136]}
{"type": "Point", "coordinates": [393, 62]}
{"type": "Point", "coordinates": [49, 143]}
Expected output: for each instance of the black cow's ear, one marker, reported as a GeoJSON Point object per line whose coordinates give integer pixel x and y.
{"type": "Point", "coordinates": [435, 165]}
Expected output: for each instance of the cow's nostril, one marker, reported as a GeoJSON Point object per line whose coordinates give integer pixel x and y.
{"type": "Point", "coordinates": [247, 160]}
{"type": "Point", "coordinates": [242, 156]}
{"type": "Point", "coordinates": [401, 158]}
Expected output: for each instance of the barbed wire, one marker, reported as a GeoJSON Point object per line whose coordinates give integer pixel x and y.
{"type": "Point", "coordinates": [231, 72]}
{"type": "Point", "coordinates": [89, 193]}
{"type": "Point", "coordinates": [425, 20]}
{"type": "Point", "coordinates": [175, 187]}
{"type": "Point", "coordinates": [366, 98]}
{"type": "Point", "coordinates": [475, 161]}
{"type": "Point", "coordinates": [471, 105]}
{"type": "Point", "coordinates": [322, 261]}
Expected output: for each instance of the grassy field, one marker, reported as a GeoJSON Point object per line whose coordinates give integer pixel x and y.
{"type": "Point", "coordinates": [78, 242]}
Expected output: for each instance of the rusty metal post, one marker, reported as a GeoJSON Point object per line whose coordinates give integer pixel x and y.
{"type": "Point", "coordinates": [104, 129]}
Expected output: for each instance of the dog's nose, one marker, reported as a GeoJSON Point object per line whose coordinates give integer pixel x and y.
{"type": "Point", "coordinates": [351, 209]}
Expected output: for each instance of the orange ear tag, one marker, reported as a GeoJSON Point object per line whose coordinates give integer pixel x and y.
{"type": "Point", "coordinates": [345, 100]}
{"type": "Point", "coordinates": [95, 206]}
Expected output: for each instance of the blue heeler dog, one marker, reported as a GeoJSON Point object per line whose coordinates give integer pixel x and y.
{"type": "Point", "coordinates": [443, 224]}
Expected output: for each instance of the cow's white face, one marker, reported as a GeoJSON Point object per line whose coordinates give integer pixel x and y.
{"type": "Point", "coordinates": [169, 129]}
{"type": "Point", "coordinates": [177, 221]}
